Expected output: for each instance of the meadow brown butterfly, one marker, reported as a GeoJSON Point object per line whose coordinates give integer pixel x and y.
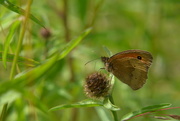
{"type": "Point", "coordinates": [131, 67]}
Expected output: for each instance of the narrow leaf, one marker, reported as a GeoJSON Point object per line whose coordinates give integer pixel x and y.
{"type": "Point", "coordinates": [85, 103]}
{"type": "Point", "coordinates": [28, 77]}
{"type": "Point", "coordinates": [36, 73]}
{"type": "Point", "coordinates": [74, 43]}
{"type": "Point", "coordinates": [145, 110]}
{"type": "Point", "coordinates": [8, 39]}
{"type": "Point", "coordinates": [19, 10]}
{"type": "Point", "coordinates": [21, 60]}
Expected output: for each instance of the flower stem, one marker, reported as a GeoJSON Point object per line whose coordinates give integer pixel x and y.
{"type": "Point", "coordinates": [113, 112]}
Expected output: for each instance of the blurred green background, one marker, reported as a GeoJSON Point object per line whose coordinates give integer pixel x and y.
{"type": "Point", "coordinates": [119, 25]}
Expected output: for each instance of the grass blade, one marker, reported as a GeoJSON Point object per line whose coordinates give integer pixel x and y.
{"type": "Point", "coordinates": [7, 42]}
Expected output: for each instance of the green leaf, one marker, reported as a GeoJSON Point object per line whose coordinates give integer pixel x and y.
{"type": "Point", "coordinates": [9, 97]}
{"type": "Point", "coordinates": [19, 10]}
{"type": "Point", "coordinates": [34, 74]}
{"type": "Point", "coordinates": [28, 77]}
{"type": "Point", "coordinates": [87, 103]}
{"type": "Point", "coordinates": [3, 112]}
{"type": "Point", "coordinates": [74, 43]}
{"type": "Point", "coordinates": [107, 104]}
{"type": "Point", "coordinates": [7, 42]}
{"type": "Point", "coordinates": [147, 109]}
{"type": "Point", "coordinates": [21, 60]}
{"type": "Point", "coordinates": [109, 53]}
{"type": "Point", "coordinates": [84, 103]}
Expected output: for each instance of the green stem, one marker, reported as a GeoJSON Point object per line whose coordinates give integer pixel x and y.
{"type": "Point", "coordinates": [113, 112]}
{"type": "Point", "coordinates": [67, 39]}
{"type": "Point", "coordinates": [111, 98]}
{"type": "Point", "coordinates": [3, 113]}
{"type": "Point", "coordinates": [20, 40]}
{"type": "Point", "coordinates": [12, 73]}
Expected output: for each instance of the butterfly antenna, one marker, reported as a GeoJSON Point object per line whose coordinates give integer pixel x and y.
{"type": "Point", "coordinates": [91, 61]}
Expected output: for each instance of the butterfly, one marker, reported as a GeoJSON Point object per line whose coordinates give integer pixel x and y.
{"type": "Point", "coordinates": [130, 67]}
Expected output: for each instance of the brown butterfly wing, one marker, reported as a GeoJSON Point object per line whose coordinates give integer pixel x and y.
{"type": "Point", "coordinates": [129, 69]}
{"type": "Point", "coordinates": [122, 70]}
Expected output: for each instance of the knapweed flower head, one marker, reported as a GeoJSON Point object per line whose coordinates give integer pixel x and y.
{"type": "Point", "coordinates": [97, 85]}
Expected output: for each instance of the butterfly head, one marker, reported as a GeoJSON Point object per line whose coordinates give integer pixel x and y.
{"type": "Point", "coordinates": [105, 60]}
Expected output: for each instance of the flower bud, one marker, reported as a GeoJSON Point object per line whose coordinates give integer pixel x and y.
{"type": "Point", "coordinates": [45, 33]}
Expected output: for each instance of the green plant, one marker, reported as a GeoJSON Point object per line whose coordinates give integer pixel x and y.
{"type": "Point", "coordinates": [43, 56]}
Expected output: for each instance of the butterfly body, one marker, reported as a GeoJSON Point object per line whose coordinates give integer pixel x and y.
{"type": "Point", "coordinates": [131, 67]}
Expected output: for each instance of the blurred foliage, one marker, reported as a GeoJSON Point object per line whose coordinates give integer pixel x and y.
{"type": "Point", "coordinates": [150, 25]}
